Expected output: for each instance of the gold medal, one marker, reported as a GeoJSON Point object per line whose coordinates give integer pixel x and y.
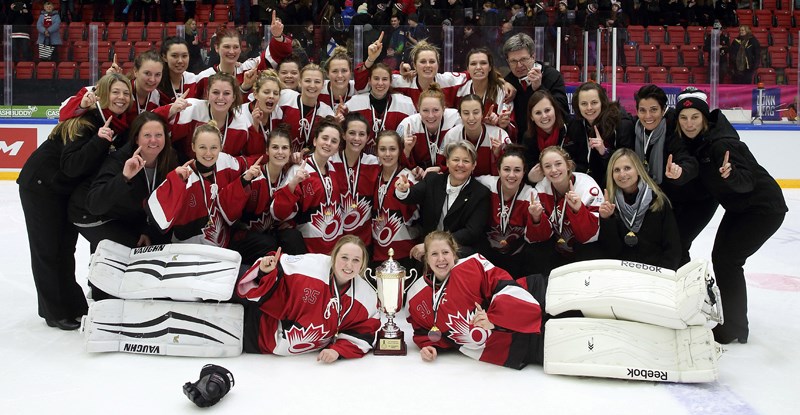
{"type": "Point", "coordinates": [434, 334]}
{"type": "Point", "coordinates": [503, 243]}
{"type": "Point", "coordinates": [561, 241]}
{"type": "Point", "coordinates": [631, 239]}
{"type": "Point", "coordinates": [354, 205]}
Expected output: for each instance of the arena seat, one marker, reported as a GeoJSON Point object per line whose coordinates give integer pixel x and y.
{"type": "Point", "coordinates": [101, 30]}
{"type": "Point", "coordinates": [141, 47]}
{"type": "Point", "coordinates": [677, 35]}
{"type": "Point", "coordinates": [134, 31]}
{"type": "Point", "coordinates": [80, 51]}
{"type": "Point", "coordinates": [680, 75]}
{"type": "Point", "coordinates": [780, 36]}
{"type": "Point", "coordinates": [172, 28]}
{"type": "Point", "coordinates": [607, 74]}
{"type": "Point", "coordinates": [772, 4]}
{"type": "Point", "coordinates": [696, 35]}
{"type": "Point", "coordinates": [656, 35]}
{"type": "Point", "coordinates": [124, 51]}
{"type": "Point", "coordinates": [648, 55]}
{"type": "Point", "coordinates": [46, 70]}
{"type": "Point", "coordinates": [691, 56]}
{"type": "Point", "coordinates": [763, 18]}
{"type": "Point", "coordinates": [67, 70]}
{"type": "Point", "coordinates": [103, 51]}
{"type": "Point", "coordinates": [669, 55]}
{"type": "Point", "coordinates": [76, 31]}
{"type": "Point", "coordinates": [761, 34]}
{"type": "Point", "coordinates": [25, 70]}
{"type": "Point", "coordinates": [155, 32]}
{"type": "Point", "coordinates": [630, 54]}
{"type": "Point", "coordinates": [791, 76]}
{"type": "Point", "coordinates": [766, 76]}
{"type": "Point", "coordinates": [637, 34]}
{"type": "Point", "coordinates": [657, 75]}
{"type": "Point", "coordinates": [783, 18]}
{"type": "Point", "coordinates": [635, 74]}
{"type": "Point", "coordinates": [203, 13]}
{"type": "Point", "coordinates": [84, 70]}
{"type": "Point", "coordinates": [221, 13]}
{"type": "Point", "coordinates": [571, 73]}
{"type": "Point", "coordinates": [700, 76]}
{"type": "Point", "coordinates": [115, 32]}
{"type": "Point", "coordinates": [778, 57]}
{"type": "Point", "coordinates": [745, 16]}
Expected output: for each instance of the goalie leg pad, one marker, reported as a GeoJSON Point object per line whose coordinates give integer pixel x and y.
{"type": "Point", "coordinates": [629, 350]}
{"type": "Point", "coordinates": [626, 290]}
{"type": "Point", "coordinates": [184, 272]}
{"type": "Point", "coordinates": [164, 328]}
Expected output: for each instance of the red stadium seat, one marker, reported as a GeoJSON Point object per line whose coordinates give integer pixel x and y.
{"type": "Point", "coordinates": [135, 32]}
{"type": "Point", "coordinates": [46, 70]}
{"type": "Point", "coordinates": [80, 51]}
{"type": "Point", "coordinates": [745, 16]}
{"type": "Point", "coordinates": [637, 34]}
{"type": "Point", "coordinates": [103, 51]}
{"type": "Point", "coordinates": [115, 32]}
{"type": "Point", "coordinates": [84, 70]}
{"type": "Point", "coordinates": [648, 55]}
{"type": "Point", "coordinates": [221, 13]}
{"type": "Point", "coordinates": [87, 12]}
{"type": "Point", "coordinates": [656, 35]}
{"type": "Point", "coordinates": [680, 75]}
{"type": "Point", "coordinates": [101, 30]}
{"type": "Point", "coordinates": [635, 74]}
{"type": "Point", "coordinates": [124, 51]}
{"type": "Point", "coordinates": [772, 4]}
{"type": "Point", "coordinates": [780, 36]}
{"type": "Point", "coordinates": [677, 35]}
{"type": "Point", "coordinates": [203, 13]}
{"type": "Point", "coordinates": [25, 70]}
{"type": "Point", "coordinates": [630, 54]}
{"type": "Point", "coordinates": [105, 66]}
{"type": "Point", "coordinates": [607, 74]}
{"type": "Point", "coordinates": [669, 55]}
{"type": "Point", "coordinates": [76, 31]}
{"type": "Point", "coordinates": [172, 28]}
{"type": "Point", "coordinates": [767, 76]}
{"type": "Point", "coordinates": [127, 67]}
{"type": "Point", "coordinates": [141, 47]}
{"type": "Point", "coordinates": [778, 57]}
{"type": "Point", "coordinates": [155, 32]}
{"type": "Point", "coordinates": [696, 34]}
{"type": "Point", "coordinates": [763, 18]}
{"type": "Point", "coordinates": [67, 70]}
{"type": "Point", "coordinates": [700, 76]}
{"type": "Point", "coordinates": [783, 18]}
{"type": "Point", "coordinates": [571, 73]}
{"type": "Point", "coordinates": [762, 35]}
{"type": "Point", "coordinates": [657, 75]}
{"type": "Point", "coordinates": [691, 56]}
{"type": "Point", "coordinates": [791, 77]}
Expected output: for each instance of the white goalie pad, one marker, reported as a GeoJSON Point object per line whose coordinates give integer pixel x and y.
{"type": "Point", "coordinates": [629, 350]}
{"type": "Point", "coordinates": [625, 290]}
{"type": "Point", "coordinates": [164, 328]}
{"type": "Point", "coordinates": [186, 272]}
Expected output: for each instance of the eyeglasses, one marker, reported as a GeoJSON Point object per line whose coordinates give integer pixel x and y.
{"type": "Point", "coordinates": [524, 61]}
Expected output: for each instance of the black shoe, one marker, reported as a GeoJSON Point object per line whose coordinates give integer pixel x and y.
{"type": "Point", "coordinates": [723, 336]}
{"type": "Point", "coordinates": [64, 324]}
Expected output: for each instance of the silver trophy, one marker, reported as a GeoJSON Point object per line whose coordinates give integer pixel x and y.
{"type": "Point", "coordinates": [390, 280]}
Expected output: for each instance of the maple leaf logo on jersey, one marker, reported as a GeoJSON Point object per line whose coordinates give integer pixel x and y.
{"type": "Point", "coordinates": [328, 220]}
{"type": "Point", "coordinates": [304, 339]}
{"type": "Point", "coordinates": [464, 333]}
{"type": "Point", "coordinates": [386, 227]}
{"type": "Point", "coordinates": [513, 234]}
{"type": "Point", "coordinates": [355, 211]}
{"type": "Point", "coordinates": [261, 223]}
{"type": "Point", "coordinates": [215, 230]}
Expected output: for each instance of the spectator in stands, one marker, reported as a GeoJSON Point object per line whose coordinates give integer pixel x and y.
{"type": "Point", "coordinates": [541, 18]}
{"type": "Point", "coordinates": [168, 10]}
{"type": "Point", "coordinates": [725, 12]}
{"type": "Point", "coordinates": [416, 31]}
{"type": "Point", "coordinates": [745, 56]}
{"type": "Point", "coordinates": [618, 19]}
{"type": "Point", "coordinates": [672, 10]}
{"type": "Point", "coordinates": [196, 63]}
{"type": "Point", "coordinates": [306, 39]}
{"type": "Point", "coordinates": [189, 7]}
{"type": "Point", "coordinates": [395, 37]}
{"type": "Point", "coordinates": [48, 24]}
{"type": "Point", "coordinates": [21, 19]}
{"type": "Point", "coordinates": [469, 40]}
{"type": "Point", "coordinates": [724, 55]}
{"type": "Point", "coordinates": [591, 24]}
{"type": "Point", "coordinates": [489, 20]}
{"type": "Point", "coordinates": [147, 7]}
{"type": "Point", "coordinates": [565, 19]}
{"type": "Point", "coordinates": [527, 76]}
{"type": "Point", "coordinates": [518, 18]}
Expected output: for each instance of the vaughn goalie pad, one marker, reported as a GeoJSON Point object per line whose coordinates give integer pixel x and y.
{"type": "Point", "coordinates": [629, 350]}
{"type": "Point", "coordinates": [625, 290]}
{"type": "Point", "coordinates": [164, 328]}
{"type": "Point", "coordinates": [185, 272]}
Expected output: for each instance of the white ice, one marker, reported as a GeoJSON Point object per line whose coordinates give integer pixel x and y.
{"type": "Point", "coordinates": [45, 370]}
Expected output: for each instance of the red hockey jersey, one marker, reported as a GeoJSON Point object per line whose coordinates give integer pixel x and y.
{"type": "Point", "coordinates": [301, 123]}
{"type": "Point", "coordinates": [509, 237]}
{"type": "Point", "coordinates": [393, 222]}
{"type": "Point", "coordinates": [486, 163]}
{"type": "Point", "coordinates": [398, 108]}
{"type": "Point", "coordinates": [358, 185]}
{"type": "Point", "coordinates": [426, 150]}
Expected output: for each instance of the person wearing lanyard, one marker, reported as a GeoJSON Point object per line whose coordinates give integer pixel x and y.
{"type": "Point", "coordinates": [338, 87]}
{"type": "Point", "coordinates": [423, 132]}
{"type": "Point", "coordinates": [148, 69]}
{"type": "Point", "coordinates": [214, 181]}
{"type": "Point", "coordinates": [357, 172]}
{"type": "Point", "coordinates": [311, 302]}
{"type": "Point", "coordinates": [303, 111]}
{"type": "Point", "coordinates": [753, 201]}
{"type": "Point", "coordinates": [487, 83]}
{"type": "Point", "coordinates": [452, 202]}
{"type": "Point", "coordinates": [565, 215]}
{"type": "Point", "coordinates": [312, 195]}
{"type": "Point", "coordinates": [393, 222]}
{"type": "Point", "coordinates": [175, 52]}
{"type": "Point", "coordinates": [545, 128]}
{"type": "Point", "coordinates": [636, 220]}
{"type": "Point", "coordinates": [261, 113]}
{"type": "Point", "coordinates": [257, 231]}
{"type": "Point", "coordinates": [671, 166]}
{"type": "Point", "coordinates": [383, 109]}
{"type": "Point", "coordinates": [599, 128]}
{"type": "Point", "coordinates": [489, 140]}
{"type": "Point", "coordinates": [472, 306]}
{"type": "Point", "coordinates": [44, 191]}
{"type": "Point", "coordinates": [508, 214]}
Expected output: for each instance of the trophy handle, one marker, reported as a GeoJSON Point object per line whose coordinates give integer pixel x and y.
{"type": "Point", "coordinates": [411, 278]}
{"type": "Point", "coordinates": [369, 277]}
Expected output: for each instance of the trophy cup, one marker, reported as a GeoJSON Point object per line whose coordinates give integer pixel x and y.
{"type": "Point", "coordinates": [390, 280]}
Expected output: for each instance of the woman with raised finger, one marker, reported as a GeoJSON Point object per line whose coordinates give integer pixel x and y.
{"type": "Point", "coordinates": [339, 86]}
{"type": "Point", "coordinates": [312, 303]}
{"type": "Point", "coordinates": [45, 189]}
{"type": "Point", "coordinates": [487, 83]}
{"type": "Point", "coordinates": [472, 306]}
{"type": "Point", "coordinates": [753, 201]}
{"type": "Point", "coordinates": [177, 80]}
{"type": "Point", "coordinates": [489, 140]}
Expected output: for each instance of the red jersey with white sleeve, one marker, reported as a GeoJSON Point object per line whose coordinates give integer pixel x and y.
{"type": "Point", "coordinates": [426, 150]}
{"type": "Point", "coordinates": [71, 107]}
{"type": "Point", "coordinates": [327, 97]}
{"type": "Point", "coordinates": [398, 108]}
{"type": "Point", "coordinates": [188, 82]}
{"type": "Point", "coordinates": [558, 218]}
{"type": "Point", "coordinates": [303, 310]}
{"type": "Point", "coordinates": [509, 220]}
{"type": "Point", "coordinates": [300, 119]}
{"type": "Point", "coordinates": [486, 163]}
{"type": "Point", "coordinates": [256, 215]}
{"type": "Point", "coordinates": [358, 185]}
{"type": "Point", "coordinates": [450, 82]}
{"type": "Point", "coordinates": [494, 103]}
{"type": "Point", "coordinates": [235, 131]}
{"type": "Point", "coordinates": [276, 51]}
{"type": "Point", "coordinates": [315, 206]}
{"type": "Point", "coordinates": [393, 221]}
{"type": "Point", "coordinates": [449, 307]}
{"type": "Point", "coordinates": [200, 211]}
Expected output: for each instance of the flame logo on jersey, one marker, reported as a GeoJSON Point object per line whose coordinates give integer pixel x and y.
{"type": "Point", "coordinates": [262, 223]}
{"type": "Point", "coordinates": [512, 236]}
{"type": "Point", "coordinates": [464, 333]}
{"type": "Point", "coordinates": [385, 227]}
{"type": "Point", "coordinates": [215, 231]}
{"type": "Point", "coordinates": [355, 210]}
{"type": "Point", "coordinates": [304, 339]}
{"type": "Point", "coordinates": [328, 221]}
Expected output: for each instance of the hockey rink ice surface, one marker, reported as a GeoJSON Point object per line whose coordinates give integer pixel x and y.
{"type": "Point", "coordinates": [47, 371]}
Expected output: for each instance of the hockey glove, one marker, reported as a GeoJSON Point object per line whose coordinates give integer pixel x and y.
{"type": "Point", "coordinates": [215, 381]}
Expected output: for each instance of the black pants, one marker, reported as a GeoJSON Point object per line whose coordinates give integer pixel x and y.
{"type": "Point", "coordinates": [739, 236]}
{"type": "Point", "coordinates": [52, 240]}
{"type": "Point", "coordinates": [692, 218]}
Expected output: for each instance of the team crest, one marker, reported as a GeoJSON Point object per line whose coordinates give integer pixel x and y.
{"type": "Point", "coordinates": [463, 333]}
{"type": "Point", "coordinates": [328, 221]}
{"type": "Point", "coordinates": [355, 211]}
{"type": "Point", "coordinates": [385, 227]}
{"type": "Point", "coordinates": [304, 339]}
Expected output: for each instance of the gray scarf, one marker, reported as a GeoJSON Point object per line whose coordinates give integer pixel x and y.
{"type": "Point", "coordinates": [654, 163]}
{"type": "Point", "coordinates": [633, 215]}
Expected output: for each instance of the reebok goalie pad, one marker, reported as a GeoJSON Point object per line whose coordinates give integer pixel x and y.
{"type": "Point", "coordinates": [164, 328]}
{"type": "Point", "coordinates": [185, 272]}
{"type": "Point", "coordinates": [629, 350]}
{"type": "Point", "coordinates": [625, 290]}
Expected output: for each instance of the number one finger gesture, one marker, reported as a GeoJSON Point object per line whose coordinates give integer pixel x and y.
{"type": "Point", "coordinates": [133, 165]}
{"type": "Point", "coordinates": [725, 170]}
{"type": "Point", "coordinates": [673, 170]}
{"type": "Point", "coordinates": [573, 199]}
{"type": "Point", "coordinates": [269, 262]}
{"type": "Point", "coordinates": [606, 208]}
{"type": "Point", "coordinates": [186, 170]}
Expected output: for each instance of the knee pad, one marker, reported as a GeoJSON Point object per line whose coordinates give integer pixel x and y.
{"type": "Point", "coordinates": [164, 328]}
{"type": "Point", "coordinates": [625, 290]}
{"type": "Point", "coordinates": [629, 350]}
{"type": "Point", "coordinates": [185, 272]}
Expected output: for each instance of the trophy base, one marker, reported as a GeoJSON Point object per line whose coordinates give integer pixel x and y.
{"type": "Point", "coordinates": [394, 346]}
